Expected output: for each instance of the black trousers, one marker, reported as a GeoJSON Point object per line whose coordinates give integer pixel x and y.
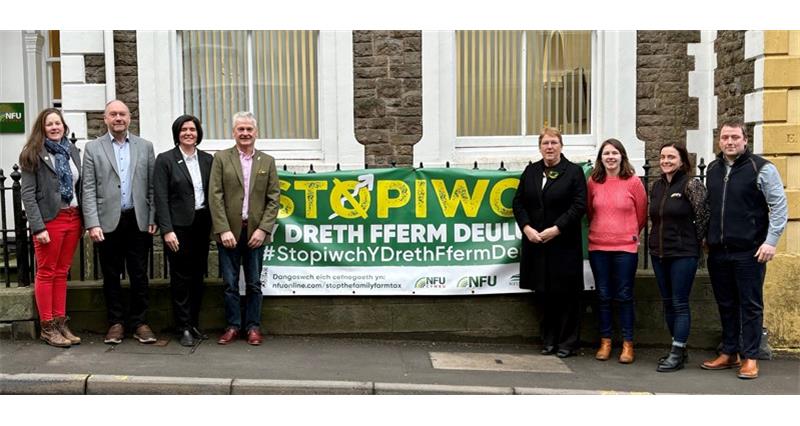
{"type": "Point", "coordinates": [738, 282]}
{"type": "Point", "coordinates": [560, 319]}
{"type": "Point", "coordinates": [187, 268]}
{"type": "Point", "coordinates": [126, 246]}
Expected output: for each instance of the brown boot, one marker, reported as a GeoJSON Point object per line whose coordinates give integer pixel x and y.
{"type": "Point", "coordinates": [52, 336]}
{"type": "Point", "coordinates": [61, 325]}
{"type": "Point", "coordinates": [604, 352]}
{"type": "Point", "coordinates": [626, 357]}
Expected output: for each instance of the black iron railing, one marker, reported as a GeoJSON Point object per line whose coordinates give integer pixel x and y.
{"type": "Point", "coordinates": [17, 250]}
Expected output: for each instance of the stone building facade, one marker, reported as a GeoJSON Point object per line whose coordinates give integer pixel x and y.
{"type": "Point", "coordinates": [684, 84]}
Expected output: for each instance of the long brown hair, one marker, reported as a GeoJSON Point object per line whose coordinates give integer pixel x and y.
{"type": "Point", "coordinates": [29, 157]}
{"type": "Point", "coordinates": [625, 168]}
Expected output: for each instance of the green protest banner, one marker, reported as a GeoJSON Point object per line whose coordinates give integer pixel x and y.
{"type": "Point", "coordinates": [394, 232]}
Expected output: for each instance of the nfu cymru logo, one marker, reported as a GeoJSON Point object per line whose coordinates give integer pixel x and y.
{"type": "Point", "coordinates": [478, 281]}
{"type": "Point", "coordinates": [431, 282]}
{"type": "Point", "coordinates": [12, 118]}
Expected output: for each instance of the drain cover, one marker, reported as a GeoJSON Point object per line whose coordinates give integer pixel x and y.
{"type": "Point", "coordinates": [497, 362]}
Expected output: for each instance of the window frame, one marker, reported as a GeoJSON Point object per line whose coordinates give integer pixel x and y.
{"type": "Point", "coordinates": [613, 108]}
{"type": "Point", "coordinates": [162, 101]}
{"type": "Point", "coordinates": [289, 146]}
{"type": "Point", "coordinates": [523, 140]}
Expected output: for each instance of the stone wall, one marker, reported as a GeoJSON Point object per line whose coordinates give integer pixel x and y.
{"type": "Point", "coordinates": [387, 70]}
{"type": "Point", "coordinates": [664, 110]}
{"type": "Point", "coordinates": [127, 75]}
{"type": "Point", "coordinates": [733, 78]}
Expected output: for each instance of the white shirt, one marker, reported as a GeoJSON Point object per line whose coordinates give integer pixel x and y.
{"type": "Point", "coordinates": [193, 165]}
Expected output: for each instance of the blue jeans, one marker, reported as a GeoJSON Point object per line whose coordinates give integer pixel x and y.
{"type": "Point", "coordinates": [229, 262]}
{"type": "Point", "coordinates": [738, 280]}
{"type": "Point", "coordinates": [675, 276]}
{"type": "Point", "coordinates": [614, 272]}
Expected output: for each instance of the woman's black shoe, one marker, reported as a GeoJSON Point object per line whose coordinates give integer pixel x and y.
{"type": "Point", "coordinates": [674, 361]}
{"type": "Point", "coordinates": [549, 350]}
{"type": "Point", "coordinates": [186, 338]}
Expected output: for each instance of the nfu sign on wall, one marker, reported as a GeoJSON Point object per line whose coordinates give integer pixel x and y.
{"type": "Point", "coordinates": [12, 118]}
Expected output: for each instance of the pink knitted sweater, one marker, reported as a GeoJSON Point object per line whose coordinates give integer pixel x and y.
{"type": "Point", "coordinates": [617, 211]}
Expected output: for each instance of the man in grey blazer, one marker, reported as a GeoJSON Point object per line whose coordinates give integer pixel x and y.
{"type": "Point", "coordinates": [118, 213]}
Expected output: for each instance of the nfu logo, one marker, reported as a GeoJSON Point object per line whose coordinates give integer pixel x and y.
{"type": "Point", "coordinates": [431, 282]}
{"type": "Point", "coordinates": [478, 281]}
{"type": "Point", "coordinates": [11, 116]}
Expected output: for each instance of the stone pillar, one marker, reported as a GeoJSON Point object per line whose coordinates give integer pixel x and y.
{"type": "Point", "coordinates": [388, 94]}
{"type": "Point", "coordinates": [664, 109]}
{"type": "Point", "coordinates": [773, 106]}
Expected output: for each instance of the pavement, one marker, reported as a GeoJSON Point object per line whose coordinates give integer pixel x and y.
{"type": "Point", "coordinates": [352, 365]}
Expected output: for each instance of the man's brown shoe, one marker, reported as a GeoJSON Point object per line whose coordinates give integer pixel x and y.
{"type": "Point", "coordinates": [115, 334]}
{"type": "Point", "coordinates": [604, 353]}
{"type": "Point", "coordinates": [144, 334]}
{"type": "Point", "coordinates": [254, 336]}
{"type": "Point", "coordinates": [722, 362]}
{"type": "Point", "coordinates": [229, 336]}
{"type": "Point", "coordinates": [749, 369]}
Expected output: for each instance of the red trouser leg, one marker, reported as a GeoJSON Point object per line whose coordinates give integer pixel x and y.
{"type": "Point", "coordinates": [52, 262]}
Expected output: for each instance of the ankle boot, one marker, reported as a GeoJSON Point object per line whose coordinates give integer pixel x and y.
{"type": "Point", "coordinates": [52, 336]}
{"type": "Point", "coordinates": [61, 325]}
{"type": "Point", "coordinates": [627, 356]}
{"type": "Point", "coordinates": [674, 361]}
{"type": "Point", "coordinates": [604, 352]}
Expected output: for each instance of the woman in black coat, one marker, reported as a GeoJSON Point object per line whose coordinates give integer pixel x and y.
{"type": "Point", "coordinates": [180, 192]}
{"type": "Point", "coordinates": [548, 206]}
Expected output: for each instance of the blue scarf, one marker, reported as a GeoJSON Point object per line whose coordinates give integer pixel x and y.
{"type": "Point", "coordinates": [60, 150]}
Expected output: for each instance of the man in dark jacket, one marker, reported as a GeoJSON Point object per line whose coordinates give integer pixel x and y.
{"type": "Point", "coordinates": [748, 216]}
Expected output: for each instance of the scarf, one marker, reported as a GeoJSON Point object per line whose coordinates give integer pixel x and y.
{"type": "Point", "coordinates": [60, 150]}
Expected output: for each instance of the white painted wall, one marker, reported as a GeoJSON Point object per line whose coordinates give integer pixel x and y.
{"type": "Point", "coordinates": [701, 86]}
{"type": "Point", "coordinates": [754, 102]}
{"type": "Point", "coordinates": [12, 89]}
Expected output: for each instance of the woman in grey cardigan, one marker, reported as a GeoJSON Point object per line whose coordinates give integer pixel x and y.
{"type": "Point", "coordinates": [51, 167]}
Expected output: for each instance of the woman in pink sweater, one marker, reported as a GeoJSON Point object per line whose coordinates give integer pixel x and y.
{"type": "Point", "coordinates": [617, 212]}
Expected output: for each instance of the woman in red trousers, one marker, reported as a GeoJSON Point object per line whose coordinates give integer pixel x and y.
{"type": "Point", "coordinates": [51, 167]}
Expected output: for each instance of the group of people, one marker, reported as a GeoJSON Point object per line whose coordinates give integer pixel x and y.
{"type": "Point", "coordinates": [739, 220]}
{"type": "Point", "coordinates": [122, 194]}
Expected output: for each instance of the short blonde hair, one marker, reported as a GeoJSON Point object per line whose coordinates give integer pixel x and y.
{"type": "Point", "coordinates": [550, 131]}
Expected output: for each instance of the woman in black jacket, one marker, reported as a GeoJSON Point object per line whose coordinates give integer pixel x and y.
{"type": "Point", "coordinates": [548, 206]}
{"type": "Point", "coordinates": [181, 197]}
{"type": "Point", "coordinates": [679, 215]}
